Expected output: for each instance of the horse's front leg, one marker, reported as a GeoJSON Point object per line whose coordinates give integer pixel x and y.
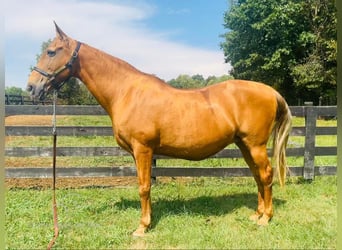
{"type": "Point", "coordinates": [143, 159]}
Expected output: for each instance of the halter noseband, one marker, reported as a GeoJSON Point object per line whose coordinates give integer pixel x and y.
{"type": "Point", "coordinates": [68, 65]}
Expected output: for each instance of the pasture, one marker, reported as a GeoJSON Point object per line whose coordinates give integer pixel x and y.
{"type": "Point", "coordinates": [192, 213]}
{"type": "Point", "coordinates": [196, 213]}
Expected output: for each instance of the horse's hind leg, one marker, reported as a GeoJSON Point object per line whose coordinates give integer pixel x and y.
{"type": "Point", "coordinates": [257, 160]}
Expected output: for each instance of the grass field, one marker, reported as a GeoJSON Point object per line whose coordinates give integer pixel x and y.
{"type": "Point", "coordinates": [196, 213]}
{"type": "Point", "coordinates": [202, 213]}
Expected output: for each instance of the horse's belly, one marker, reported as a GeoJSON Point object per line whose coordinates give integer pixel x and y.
{"type": "Point", "coordinates": [195, 139]}
{"type": "Point", "coordinates": [194, 154]}
{"type": "Point", "coordinates": [194, 148]}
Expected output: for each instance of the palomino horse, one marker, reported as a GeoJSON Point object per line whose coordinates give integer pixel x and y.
{"type": "Point", "coordinates": [149, 116]}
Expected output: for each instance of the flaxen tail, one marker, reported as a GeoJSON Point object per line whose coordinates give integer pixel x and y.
{"type": "Point", "coordinates": [281, 133]}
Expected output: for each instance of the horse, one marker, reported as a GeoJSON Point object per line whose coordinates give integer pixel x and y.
{"type": "Point", "coordinates": [151, 117]}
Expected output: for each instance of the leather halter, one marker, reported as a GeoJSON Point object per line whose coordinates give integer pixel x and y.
{"type": "Point", "coordinates": [51, 76]}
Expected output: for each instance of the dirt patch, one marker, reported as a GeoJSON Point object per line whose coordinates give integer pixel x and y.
{"type": "Point", "coordinates": [46, 183]}
{"type": "Point", "coordinates": [29, 120]}
{"type": "Point", "coordinates": [100, 182]}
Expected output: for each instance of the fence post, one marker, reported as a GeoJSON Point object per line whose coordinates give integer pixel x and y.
{"type": "Point", "coordinates": [310, 138]}
{"type": "Point", "coordinates": [153, 175]}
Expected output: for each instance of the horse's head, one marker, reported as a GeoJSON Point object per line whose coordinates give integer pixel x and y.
{"type": "Point", "coordinates": [56, 65]}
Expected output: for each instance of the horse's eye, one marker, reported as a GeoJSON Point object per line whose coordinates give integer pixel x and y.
{"type": "Point", "coordinates": [51, 53]}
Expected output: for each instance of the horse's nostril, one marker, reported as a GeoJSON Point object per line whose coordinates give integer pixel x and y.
{"type": "Point", "coordinates": [30, 88]}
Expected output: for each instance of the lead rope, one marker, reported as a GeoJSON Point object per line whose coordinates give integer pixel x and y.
{"type": "Point", "coordinates": [54, 203]}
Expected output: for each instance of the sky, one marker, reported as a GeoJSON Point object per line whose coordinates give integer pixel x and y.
{"type": "Point", "coordinates": [162, 37]}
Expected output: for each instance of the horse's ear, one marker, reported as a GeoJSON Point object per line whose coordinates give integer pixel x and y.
{"type": "Point", "coordinates": [59, 32]}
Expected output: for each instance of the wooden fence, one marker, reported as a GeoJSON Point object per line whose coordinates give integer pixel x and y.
{"type": "Point", "coordinates": [24, 100]}
{"type": "Point", "coordinates": [308, 169]}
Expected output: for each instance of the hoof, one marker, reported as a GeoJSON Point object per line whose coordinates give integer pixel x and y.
{"type": "Point", "coordinates": [255, 217]}
{"type": "Point", "coordinates": [140, 232]}
{"type": "Point", "coordinates": [263, 221]}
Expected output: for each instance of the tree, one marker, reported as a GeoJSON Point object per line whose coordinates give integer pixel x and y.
{"type": "Point", "coordinates": [15, 91]}
{"type": "Point", "coordinates": [315, 75]}
{"type": "Point", "coordinates": [196, 81]}
{"type": "Point", "coordinates": [76, 93]}
{"type": "Point", "coordinates": [214, 79]}
{"type": "Point", "coordinates": [273, 41]}
{"type": "Point", "coordinates": [187, 82]}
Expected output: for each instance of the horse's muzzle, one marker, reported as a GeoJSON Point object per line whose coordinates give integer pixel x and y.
{"type": "Point", "coordinates": [37, 91]}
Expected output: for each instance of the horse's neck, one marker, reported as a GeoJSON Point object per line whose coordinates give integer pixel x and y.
{"type": "Point", "coordinates": [105, 76]}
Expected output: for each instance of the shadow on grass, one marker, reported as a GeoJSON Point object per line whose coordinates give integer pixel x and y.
{"type": "Point", "coordinates": [202, 205]}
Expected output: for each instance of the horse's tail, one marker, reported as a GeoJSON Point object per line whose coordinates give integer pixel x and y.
{"type": "Point", "coordinates": [281, 133]}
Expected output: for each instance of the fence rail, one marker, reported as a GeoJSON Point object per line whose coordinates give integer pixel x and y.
{"type": "Point", "coordinates": [308, 170]}
{"type": "Point", "coordinates": [23, 100]}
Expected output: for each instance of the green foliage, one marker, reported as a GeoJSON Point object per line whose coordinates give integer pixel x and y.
{"type": "Point", "coordinates": [74, 92]}
{"type": "Point", "coordinates": [15, 91]}
{"type": "Point", "coordinates": [196, 81]}
{"type": "Point", "coordinates": [288, 44]}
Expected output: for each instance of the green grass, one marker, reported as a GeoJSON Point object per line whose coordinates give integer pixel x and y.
{"type": "Point", "coordinates": [82, 120]}
{"type": "Point", "coordinates": [202, 213]}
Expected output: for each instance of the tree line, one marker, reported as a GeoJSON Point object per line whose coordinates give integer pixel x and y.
{"type": "Point", "coordinates": [288, 44]}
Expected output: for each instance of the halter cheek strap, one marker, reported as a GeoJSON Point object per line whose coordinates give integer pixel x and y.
{"type": "Point", "coordinates": [51, 76]}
